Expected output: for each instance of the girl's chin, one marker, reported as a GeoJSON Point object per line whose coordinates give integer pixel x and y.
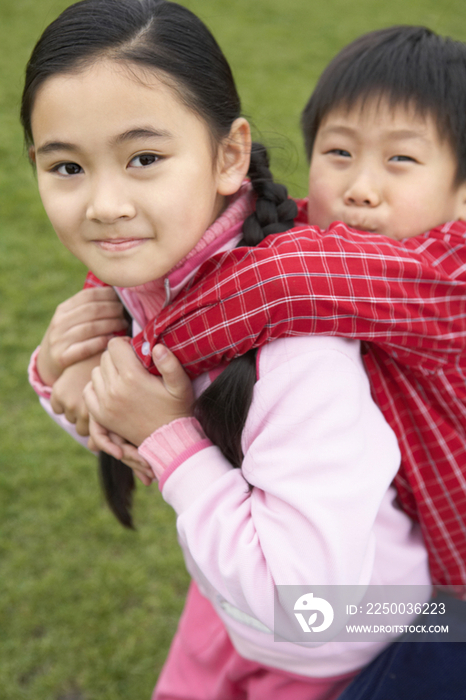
{"type": "Point", "coordinates": [130, 269]}
{"type": "Point", "coordinates": [124, 278]}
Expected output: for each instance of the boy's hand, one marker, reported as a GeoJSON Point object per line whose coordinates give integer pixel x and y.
{"type": "Point", "coordinates": [125, 399]}
{"type": "Point", "coordinates": [80, 328]}
{"type": "Point", "coordinates": [67, 393]}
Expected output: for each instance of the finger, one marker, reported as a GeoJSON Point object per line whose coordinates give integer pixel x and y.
{"type": "Point", "coordinates": [90, 398]}
{"type": "Point", "coordinates": [90, 295]}
{"type": "Point", "coordinates": [133, 459]}
{"type": "Point", "coordinates": [108, 371]}
{"type": "Point", "coordinates": [146, 480]}
{"type": "Point", "coordinates": [82, 351]}
{"type": "Point", "coordinates": [91, 445]}
{"type": "Point", "coordinates": [101, 439]}
{"type": "Point", "coordinates": [95, 326]}
{"type": "Point", "coordinates": [131, 452]}
{"type": "Point", "coordinates": [97, 311]}
{"type": "Point", "coordinates": [56, 404]}
{"type": "Point", "coordinates": [123, 356]}
{"type": "Point", "coordinates": [175, 379]}
{"type": "Point", "coordinates": [82, 420]}
{"type": "Point", "coordinates": [71, 414]}
{"type": "Point", "coordinates": [89, 321]}
{"type": "Point", "coordinates": [138, 464]}
{"type": "Point", "coordinates": [98, 383]}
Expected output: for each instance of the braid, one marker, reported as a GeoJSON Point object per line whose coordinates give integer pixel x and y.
{"type": "Point", "coordinates": [117, 480]}
{"type": "Point", "coordinates": [274, 211]}
{"type": "Point", "coordinates": [118, 485]}
{"type": "Point", "coordinates": [223, 407]}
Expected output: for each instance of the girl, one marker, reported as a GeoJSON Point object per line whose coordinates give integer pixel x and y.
{"type": "Point", "coordinates": [321, 280]}
{"type": "Point", "coordinates": [134, 126]}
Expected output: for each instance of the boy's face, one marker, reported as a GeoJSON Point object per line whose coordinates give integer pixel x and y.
{"type": "Point", "coordinates": [384, 170]}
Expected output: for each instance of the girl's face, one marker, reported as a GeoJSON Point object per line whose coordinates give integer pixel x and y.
{"type": "Point", "coordinates": [126, 171]}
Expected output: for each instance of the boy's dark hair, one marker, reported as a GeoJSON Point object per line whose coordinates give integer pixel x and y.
{"type": "Point", "coordinates": [168, 38]}
{"type": "Point", "coordinates": [407, 65]}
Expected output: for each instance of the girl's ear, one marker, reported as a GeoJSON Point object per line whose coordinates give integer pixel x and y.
{"type": "Point", "coordinates": [233, 157]}
{"type": "Point", "coordinates": [32, 154]}
{"type": "Point", "coordinates": [461, 203]}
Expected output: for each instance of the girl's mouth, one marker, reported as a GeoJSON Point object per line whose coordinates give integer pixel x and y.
{"type": "Point", "coordinates": [119, 244]}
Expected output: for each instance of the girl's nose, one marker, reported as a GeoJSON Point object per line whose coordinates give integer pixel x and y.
{"type": "Point", "coordinates": [363, 191]}
{"type": "Point", "coordinates": [108, 203]}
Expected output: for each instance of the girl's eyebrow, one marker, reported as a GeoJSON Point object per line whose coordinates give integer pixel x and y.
{"type": "Point", "coordinates": [141, 133]}
{"type": "Point", "coordinates": [130, 135]}
{"type": "Point", "coordinates": [52, 146]}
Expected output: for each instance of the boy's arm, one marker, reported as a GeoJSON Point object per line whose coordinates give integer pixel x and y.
{"type": "Point", "coordinates": [406, 296]}
{"type": "Point", "coordinates": [93, 281]}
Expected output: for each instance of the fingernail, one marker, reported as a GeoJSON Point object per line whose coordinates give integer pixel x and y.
{"type": "Point", "coordinates": [159, 352]}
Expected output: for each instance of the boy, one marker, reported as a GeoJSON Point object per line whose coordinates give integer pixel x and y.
{"type": "Point", "coordinates": [385, 132]}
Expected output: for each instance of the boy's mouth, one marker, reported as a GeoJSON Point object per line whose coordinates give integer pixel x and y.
{"type": "Point", "coordinates": [362, 227]}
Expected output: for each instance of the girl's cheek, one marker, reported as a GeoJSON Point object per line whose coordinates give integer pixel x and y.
{"type": "Point", "coordinates": [59, 209]}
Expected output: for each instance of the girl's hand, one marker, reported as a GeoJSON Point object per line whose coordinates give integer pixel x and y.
{"type": "Point", "coordinates": [67, 393]}
{"type": "Point", "coordinates": [118, 447]}
{"type": "Point", "coordinates": [80, 328]}
{"type": "Point", "coordinates": [125, 399]}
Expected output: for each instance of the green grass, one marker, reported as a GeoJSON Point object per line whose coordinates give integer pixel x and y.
{"type": "Point", "coordinates": [87, 609]}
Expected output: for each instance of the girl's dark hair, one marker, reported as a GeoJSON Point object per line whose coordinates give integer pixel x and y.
{"type": "Point", "coordinates": [171, 40]}
{"type": "Point", "coordinates": [406, 65]}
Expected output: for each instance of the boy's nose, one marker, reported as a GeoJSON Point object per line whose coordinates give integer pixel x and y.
{"type": "Point", "coordinates": [363, 191]}
{"type": "Point", "coordinates": [108, 203]}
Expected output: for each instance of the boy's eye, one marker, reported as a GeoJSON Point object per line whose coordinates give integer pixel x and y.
{"type": "Point", "coordinates": [143, 160]}
{"type": "Point", "coordinates": [402, 159]}
{"type": "Point", "coordinates": [68, 169]}
{"type": "Point", "coordinates": [340, 152]}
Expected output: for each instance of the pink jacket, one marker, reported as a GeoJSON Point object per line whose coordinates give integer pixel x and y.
{"type": "Point", "coordinates": [320, 458]}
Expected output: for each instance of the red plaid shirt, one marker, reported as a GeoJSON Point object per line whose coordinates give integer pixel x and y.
{"type": "Point", "coordinates": [405, 299]}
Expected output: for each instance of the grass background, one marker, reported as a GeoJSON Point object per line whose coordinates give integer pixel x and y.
{"type": "Point", "coordinates": [87, 610]}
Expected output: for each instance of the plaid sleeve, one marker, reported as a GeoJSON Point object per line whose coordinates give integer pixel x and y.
{"type": "Point", "coordinates": [93, 281]}
{"type": "Point", "coordinates": [406, 296]}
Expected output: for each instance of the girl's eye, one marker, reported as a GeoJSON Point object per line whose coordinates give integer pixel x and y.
{"type": "Point", "coordinates": [143, 160]}
{"type": "Point", "coordinates": [402, 159]}
{"type": "Point", "coordinates": [68, 169]}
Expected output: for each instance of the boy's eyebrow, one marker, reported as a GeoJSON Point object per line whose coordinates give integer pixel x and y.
{"type": "Point", "coordinates": [406, 134]}
{"type": "Point", "coordinates": [130, 135]}
{"type": "Point", "coordinates": [391, 133]}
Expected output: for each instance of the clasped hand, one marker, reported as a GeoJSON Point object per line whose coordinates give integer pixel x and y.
{"type": "Point", "coordinates": [127, 404]}
{"type": "Point", "coordinates": [72, 345]}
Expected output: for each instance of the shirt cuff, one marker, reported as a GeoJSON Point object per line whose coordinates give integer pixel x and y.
{"type": "Point", "coordinates": [171, 445]}
{"type": "Point", "coordinates": [35, 379]}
